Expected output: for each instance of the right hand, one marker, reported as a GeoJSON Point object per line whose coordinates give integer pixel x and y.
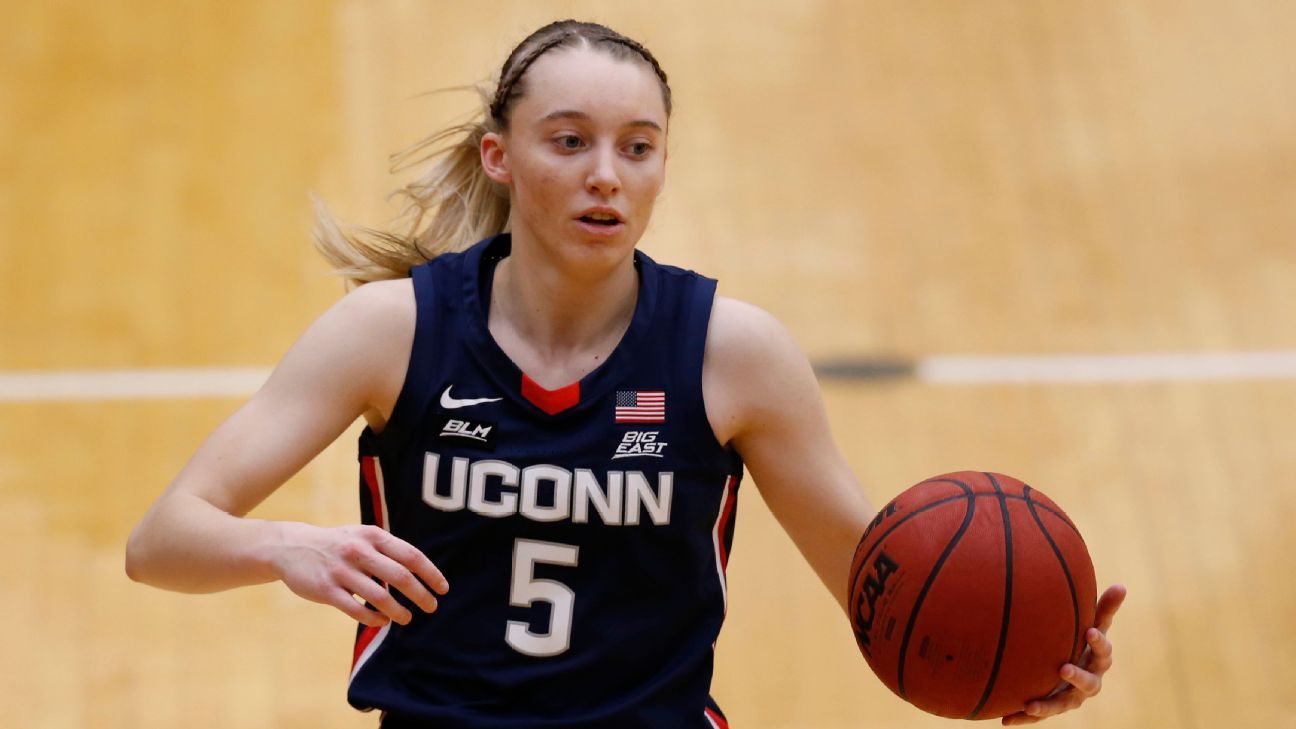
{"type": "Point", "coordinates": [331, 564]}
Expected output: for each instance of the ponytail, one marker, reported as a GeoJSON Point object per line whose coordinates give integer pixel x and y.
{"type": "Point", "coordinates": [453, 205]}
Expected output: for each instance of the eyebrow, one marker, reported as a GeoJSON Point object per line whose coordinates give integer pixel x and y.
{"type": "Point", "coordinates": [573, 114]}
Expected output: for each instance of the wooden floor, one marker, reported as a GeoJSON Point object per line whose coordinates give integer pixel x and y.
{"type": "Point", "coordinates": [889, 179]}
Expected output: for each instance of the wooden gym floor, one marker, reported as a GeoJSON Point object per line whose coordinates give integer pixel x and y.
{"type": "Point", "coordinates": [892, 180]}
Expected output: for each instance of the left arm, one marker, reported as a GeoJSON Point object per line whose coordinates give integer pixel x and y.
{"type": "Point", "coordinates": [762, 397]}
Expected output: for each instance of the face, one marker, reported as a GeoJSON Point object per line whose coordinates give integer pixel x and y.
{"type": "Point", "coordinates": [584, 156]}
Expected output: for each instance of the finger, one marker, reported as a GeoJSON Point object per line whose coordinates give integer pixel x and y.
{"type": "Point", "coordinates": [1019, 718]}
{"type": "Point", "coordinates": [1099, 653]}
{"type": "Point", "coordinates": [1108, 604]}
{"type": "Point", "coordinates": [394, 574]}
{"type": "Point", "coordinates": [342, 600]}
{"type": "Point", "coordinates": [413, 559]}
{"type": "Point", "coordinates": [1087, 683]}
{"type": "Point", "coordinates": [379, 597]}
{"type": "Point", "coordinates": [1044, 708]}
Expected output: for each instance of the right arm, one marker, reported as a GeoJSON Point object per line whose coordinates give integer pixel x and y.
{"type": "Point", "coordinates": [195, 537]}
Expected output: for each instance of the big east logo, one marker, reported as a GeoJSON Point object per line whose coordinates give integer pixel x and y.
{"type": "Point", "coordinates": [640, 443]}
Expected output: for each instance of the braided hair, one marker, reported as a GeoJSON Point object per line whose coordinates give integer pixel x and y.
{"type": "Point", "coordinates": [561, 34]}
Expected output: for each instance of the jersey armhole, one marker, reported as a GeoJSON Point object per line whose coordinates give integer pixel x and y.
{"type": "Point", "coordinates": [697, 329]}
{"type": "Point", "coordinates": [414, 394]}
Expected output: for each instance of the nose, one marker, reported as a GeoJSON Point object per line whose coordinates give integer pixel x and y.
{"type": "Point", "coordinates": [603, 179]}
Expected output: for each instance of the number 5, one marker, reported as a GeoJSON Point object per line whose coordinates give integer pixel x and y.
{"type": "Point", "coordinates": [526, 589]}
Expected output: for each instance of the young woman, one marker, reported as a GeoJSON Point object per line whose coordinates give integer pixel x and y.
{"type": "Point", "coordinates": [557, 428]}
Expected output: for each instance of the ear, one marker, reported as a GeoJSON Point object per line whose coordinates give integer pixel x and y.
{"type": "Point", "coordinates": [494, 158]}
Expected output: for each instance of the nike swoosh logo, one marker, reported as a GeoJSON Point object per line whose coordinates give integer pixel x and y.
{"type": "Point", "coordinates": [450, 403]}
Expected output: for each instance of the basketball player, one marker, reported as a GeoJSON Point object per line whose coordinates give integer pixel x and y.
{"type": "Point", "coordinates": [557, 428]}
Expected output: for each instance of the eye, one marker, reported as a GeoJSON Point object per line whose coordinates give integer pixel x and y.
{"type": "Point", "coordinates": [569, 141]}
{"type": "Point", "coordinates": [639, 149]}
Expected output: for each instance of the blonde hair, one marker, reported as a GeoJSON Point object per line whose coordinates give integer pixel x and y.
{"type": "Point", "coordinates": [454, 204]}
{"type": "Point", "coordinates": [448, 208]}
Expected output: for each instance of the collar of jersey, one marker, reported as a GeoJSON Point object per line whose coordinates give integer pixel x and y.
{"type": "Point", "coordinates": [507, 376]}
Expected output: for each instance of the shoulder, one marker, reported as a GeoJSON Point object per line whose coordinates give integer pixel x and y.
{"type": "Point", "coordinates": [363, 325]}
{"type": "Point", "coordinates": [377, 311]}
{"type": "Point", "coordinates": [740, 333]}
{"type": "Point", "coordinates": [752, 367]}
{"type": "Point", "coordinates": [380, 298]}
{"type": "Point", "coordinates": [365, 340]}
{"type": "Point", "coordinates": [370, 314]}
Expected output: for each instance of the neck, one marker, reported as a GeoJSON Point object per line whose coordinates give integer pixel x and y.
{"type": "Point", "coordinates": [557, 323]}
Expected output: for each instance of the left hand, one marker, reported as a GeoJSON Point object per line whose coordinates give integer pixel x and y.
{"type": "Point", "coordinates": [1085, 679]}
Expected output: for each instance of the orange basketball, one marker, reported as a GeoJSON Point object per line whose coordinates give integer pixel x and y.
{"type": "Point", "coordinates": [968, 593]}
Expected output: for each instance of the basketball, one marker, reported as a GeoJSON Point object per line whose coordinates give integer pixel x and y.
{"type": "Point", "coordinates": [968, 592]}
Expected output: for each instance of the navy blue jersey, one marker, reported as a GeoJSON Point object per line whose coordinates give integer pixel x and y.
{"type": "Point", "coordinates": [584, 531]}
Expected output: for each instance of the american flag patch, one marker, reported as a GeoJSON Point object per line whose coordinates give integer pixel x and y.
{"type": "Point", "coordinates": [641, 406]}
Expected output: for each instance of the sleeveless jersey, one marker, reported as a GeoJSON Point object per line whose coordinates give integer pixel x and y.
{"type": "Point", "coordinates": [584, 531]}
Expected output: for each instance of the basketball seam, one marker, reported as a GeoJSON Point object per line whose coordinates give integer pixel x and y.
{"type": "Point", "coordinates": [860, 572]}
{"type": "Point", "coordinates": [1055, 512]}
{"type": "Point", "coordinates": [882, 537]}
{"type": "Point", "coordinates": [970, 497]}
{"type": "Point", "coordinates": [1007, 609]}
{"type": "Point", "coordinates": [1066, 571]}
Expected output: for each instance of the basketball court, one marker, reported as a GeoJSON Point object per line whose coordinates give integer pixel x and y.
{"type": "Point", "coordinates": [1055, 240]}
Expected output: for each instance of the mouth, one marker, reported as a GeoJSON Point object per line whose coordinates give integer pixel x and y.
{"type": "Point", "coordinates": [601, 221]}
{"type": "Point", "coordinates": [601, 216]}
{"type": "Point", "coordinates": [597, 220]}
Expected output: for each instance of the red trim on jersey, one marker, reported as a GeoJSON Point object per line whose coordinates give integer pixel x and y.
{"type": "Point", "coordinates": [366, 637]}
{"type": "Point", "coordinates": [369, 466]}
{"type": "Point", "coordinates": [715, 717]}
{"type": "Point", "coordinates": [550, 401]}
{"type": "Point", "coordinates": [730, 502]}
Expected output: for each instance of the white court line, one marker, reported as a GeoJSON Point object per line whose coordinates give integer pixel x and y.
{"type": "Point", "coordinates": [1160, 367]}
{"type": "Point", "coordinates": [131, 384]}
{"type": "Point", "coordinates": [216, 382]}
